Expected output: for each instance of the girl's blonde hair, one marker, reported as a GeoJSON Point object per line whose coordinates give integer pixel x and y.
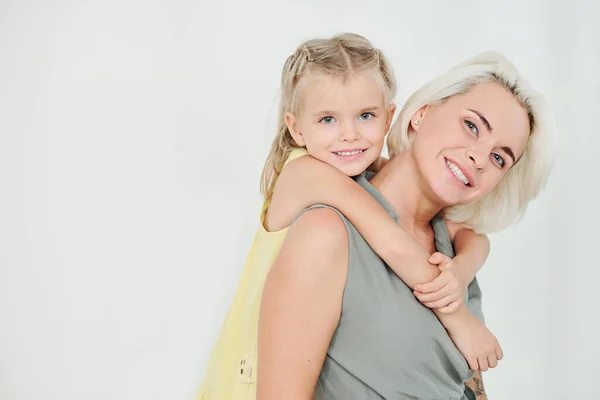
{"type": "Point", "coordinates": [342, 55]}
{"type": "Point", "coordinates": [507, 202]}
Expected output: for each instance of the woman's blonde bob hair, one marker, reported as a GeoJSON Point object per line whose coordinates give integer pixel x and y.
{"type": "Point", "coordinates": [507, 202]}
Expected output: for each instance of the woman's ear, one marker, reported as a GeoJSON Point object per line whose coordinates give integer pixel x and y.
{"type": "Point", "coordinates": [290, 121]}
{"type": "Point", "coordinates": [418, 117]}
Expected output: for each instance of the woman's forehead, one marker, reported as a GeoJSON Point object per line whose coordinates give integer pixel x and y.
{"type": "Point", "coordinates": [494, 98]}
{"type": "Point", "coordinates": [497, 108]}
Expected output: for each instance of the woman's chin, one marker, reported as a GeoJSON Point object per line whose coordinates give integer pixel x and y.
{"type": "Point", "coordinates": [449, 196]}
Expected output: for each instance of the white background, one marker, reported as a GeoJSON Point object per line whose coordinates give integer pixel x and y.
{"type": "Point", "coordinates": [132, 136]}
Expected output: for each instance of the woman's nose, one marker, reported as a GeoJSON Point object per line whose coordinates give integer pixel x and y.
{"type": "Point", "coordinates": [477, 158]}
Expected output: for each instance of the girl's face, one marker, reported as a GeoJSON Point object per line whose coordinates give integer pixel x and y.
{"type": "Point", "coordinates": [342, 121]}
{"type": "Point", "coordinates": [464, 146]}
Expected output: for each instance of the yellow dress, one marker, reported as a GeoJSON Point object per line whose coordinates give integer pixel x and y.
{"type": "Point", "coordinates": [231, 373]}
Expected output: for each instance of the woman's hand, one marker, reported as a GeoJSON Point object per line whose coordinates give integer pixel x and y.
{"type": "Point", "coordinates": [476, 343]}
{"type": "Point", "coordinates": [446, 292]}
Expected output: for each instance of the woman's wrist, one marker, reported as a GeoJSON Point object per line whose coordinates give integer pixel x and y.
{"type": "Point", "coordinates": [455, 320]}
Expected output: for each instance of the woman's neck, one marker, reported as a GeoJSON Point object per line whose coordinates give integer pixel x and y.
{"type": "Point", "coordinates": [400, 183]}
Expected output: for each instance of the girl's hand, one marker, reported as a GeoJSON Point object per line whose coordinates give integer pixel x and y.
{"type": "Point", "coordinates": [446, 292]}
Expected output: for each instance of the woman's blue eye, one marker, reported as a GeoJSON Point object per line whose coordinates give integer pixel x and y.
{"type": "Point", "coordinates": [499, 159]}
{"type": "Point", "coordinates": [472, 127]}
{"type": "Point", "coordinates": [327, 120]}
{"type": "Point", "coordinates": [366, 116]}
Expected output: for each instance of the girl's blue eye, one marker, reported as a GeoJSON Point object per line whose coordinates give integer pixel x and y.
{"type": "Point", "coordinates": [472, 127]}
{"type": "Point", "coordinates": [327, 120]}
{"type": "Point", "coordinates": [498, 158]}
{"type": "Point", "coordinates": [366, 116]}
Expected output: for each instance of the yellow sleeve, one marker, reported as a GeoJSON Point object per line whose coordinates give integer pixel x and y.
{"type": "Point", "coordinates": [297, 152]}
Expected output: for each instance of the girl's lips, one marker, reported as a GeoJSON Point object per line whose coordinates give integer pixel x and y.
{"type": "Point", "coordinates": [349, 155]}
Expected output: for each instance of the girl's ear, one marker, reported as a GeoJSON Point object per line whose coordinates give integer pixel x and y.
{"type": "Point", "coordinates": [290, 121]}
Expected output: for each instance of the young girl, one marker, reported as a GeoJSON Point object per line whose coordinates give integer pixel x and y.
{"type": "Point", "coordinates": [335, 107]}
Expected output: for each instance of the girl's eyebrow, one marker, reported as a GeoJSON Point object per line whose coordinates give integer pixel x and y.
{"type": "Point", "coordinates": [324, 112]}
{"type": "Point", "coordinates": [327, 112]}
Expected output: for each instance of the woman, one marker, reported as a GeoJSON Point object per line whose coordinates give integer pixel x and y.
{"type": "Point", "coordinates": [473, 144]}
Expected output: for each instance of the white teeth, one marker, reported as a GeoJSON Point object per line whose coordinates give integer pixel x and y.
{"type": "Point", "coordinates": [457, 172]}
{"type": "Point", "coordinates": [348, 153]}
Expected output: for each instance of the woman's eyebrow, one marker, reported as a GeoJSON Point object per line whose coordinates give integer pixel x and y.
{"type": "Point", "coordinates": [487, 124]}
{"type": "Point", "coordinates": [509, 151]}
{"type": "Point", "coordinates": [483, 119]}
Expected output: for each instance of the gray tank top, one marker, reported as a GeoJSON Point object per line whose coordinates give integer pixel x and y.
{"type": "Point", "coordinates": [387, 345]}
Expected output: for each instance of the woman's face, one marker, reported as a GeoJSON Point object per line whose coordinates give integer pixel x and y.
{"type": "Point", "coordinates": [464, 147]}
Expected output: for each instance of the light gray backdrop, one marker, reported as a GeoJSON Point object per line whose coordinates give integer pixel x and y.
{"type": "Point", "coordinates": [132, 137]}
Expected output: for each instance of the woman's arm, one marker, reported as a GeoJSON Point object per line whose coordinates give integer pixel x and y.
{"type": "Point", "coordinates": [301, 306]}
{"type": "Point", "coordinates": [476, 385]}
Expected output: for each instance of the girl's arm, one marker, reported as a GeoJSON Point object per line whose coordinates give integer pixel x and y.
{"type": "Point", "coordinates": [447, 290]}
{"type": "Point", "coordinates": [472, 249]}
{"type": "Point", "coordinates": [301, 306]}
{"type": "Point", "coordinates": [306, 181]}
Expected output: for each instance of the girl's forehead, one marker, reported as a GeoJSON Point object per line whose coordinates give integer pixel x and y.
{"type": "Point", "coordinates": [347, 91]}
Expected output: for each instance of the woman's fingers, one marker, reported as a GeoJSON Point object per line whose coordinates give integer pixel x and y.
{"type": "Point", "coordinates": [483, 363]}
{"type": "Point", "coordinates": [473, 364]}
{"type": "Point", "coordinates": [499, 353]}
